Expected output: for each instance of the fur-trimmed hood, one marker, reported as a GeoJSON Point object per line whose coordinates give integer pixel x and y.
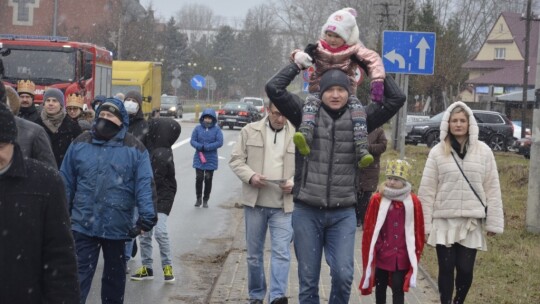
{"type": "Point", "coordinates": [473, 125]}
{"type": "Point", "coordinates": [13, 100]}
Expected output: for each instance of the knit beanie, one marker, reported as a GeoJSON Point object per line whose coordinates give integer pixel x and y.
{"type": "Point", "coordinates": [13, 100]}
{"type": "Point", "coordinates": [111, 108]}
{"type": "Point", "coordinates": [54, 93]}
{"type": "Point", "coordinates": [136, 96]}
{"type": "Point", "coordinates": [8, 128]}
{"type": "Point", "coordinates": [334, 77]}
{"type": "Point", "coordinates": [343, 23]}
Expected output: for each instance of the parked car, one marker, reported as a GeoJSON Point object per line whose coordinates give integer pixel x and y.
{"type": "Point", "coordinates": [495, 129]}
{"type": "Point", "coordinates": [237, 114]}
{"type": "Point", "coordinates": [171, 106]}
{"type": "Point", "coordinates": [257, 102]}
{"type": "Point", "coordinates": [523, 146]}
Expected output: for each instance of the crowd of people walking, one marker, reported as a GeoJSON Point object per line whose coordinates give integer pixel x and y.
{"type": "Point", "coordinates": [105, 176]}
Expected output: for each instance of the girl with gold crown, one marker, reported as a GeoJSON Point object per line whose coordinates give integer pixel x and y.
{"type": "Point", "coordinates": [393, 237]}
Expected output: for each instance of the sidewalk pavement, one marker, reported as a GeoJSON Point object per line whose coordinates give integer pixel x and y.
{"type": "Point", "coordinates": [231, 286]}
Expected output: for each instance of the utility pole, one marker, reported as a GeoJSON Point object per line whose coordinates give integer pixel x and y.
{"type": "Point", "coordinates": [532, 219]}
{"type": "Point", "coordinates": [526, 67]}
{"type": "Point", "coordinates": [384, 20]}
{"type": "Point", "coordinates": [55, 17]}
{"type": "Point", "coordinates": [399, 120]}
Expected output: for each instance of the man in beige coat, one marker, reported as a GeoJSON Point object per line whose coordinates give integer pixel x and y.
{"type": "Point", "coordinates": [263, 158]}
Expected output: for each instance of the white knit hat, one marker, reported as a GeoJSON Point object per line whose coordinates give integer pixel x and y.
{"type": "Point", "coordinates": [343, 23]}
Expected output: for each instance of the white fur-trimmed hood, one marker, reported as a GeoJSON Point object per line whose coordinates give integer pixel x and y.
{"type": "Point", "coordinates": [473, 125]}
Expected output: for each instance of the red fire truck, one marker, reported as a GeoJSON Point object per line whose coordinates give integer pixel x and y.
{"type": "Point", "coordinates": [52, 61]}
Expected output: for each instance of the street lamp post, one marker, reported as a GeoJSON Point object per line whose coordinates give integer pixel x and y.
{"type": "Point", "coordinates": [212, 86]}
{"type": "Point", "coordinates": [190, 65]}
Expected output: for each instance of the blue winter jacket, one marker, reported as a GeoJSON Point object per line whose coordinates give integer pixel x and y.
{"type": "Point", "coordinates": [206, 140]}
{"type": "Point", "coordinates": [106, 180]}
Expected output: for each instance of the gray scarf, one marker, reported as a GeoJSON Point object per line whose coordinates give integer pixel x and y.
{"type": "Point", "coordinates": [397, 194]}
{"type": "Point", "coordinates": [53, 121]}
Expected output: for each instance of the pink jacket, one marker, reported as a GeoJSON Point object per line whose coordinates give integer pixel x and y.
{"type": "Point", "coordinates": [326, 60]}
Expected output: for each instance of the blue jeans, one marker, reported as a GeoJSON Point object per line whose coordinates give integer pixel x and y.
{"type": "Point", "coordinates": [113, 279]}
{"type": "Point", "coordinates": [162, 238]}
{"type": "Point", "coordinates": [331, 230]}
{"type": "Point", "coordinates": [258, 220]}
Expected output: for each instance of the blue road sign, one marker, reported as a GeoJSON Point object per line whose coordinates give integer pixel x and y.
{"type": "Point", "coordinates": [409, 52]}
{"type": "Point", "coordinates": [198, 82]}
{"type": "Point", "coordinates": [305, 86]}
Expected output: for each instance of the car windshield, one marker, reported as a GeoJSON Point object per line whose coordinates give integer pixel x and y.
{"type": "Point", "coordinates": [43, 67]}
{"type": "Point", "coordinates": [255, 102]}
{"type": "Point", "coordinates": [236, 106]}
{"type": "Point", "coordinates": [168, 100]}
{"type": "Point", "coordinates": [437, 117]}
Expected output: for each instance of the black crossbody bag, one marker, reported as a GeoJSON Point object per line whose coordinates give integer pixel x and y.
{"type": "Point", "coordinates": [474, 191]}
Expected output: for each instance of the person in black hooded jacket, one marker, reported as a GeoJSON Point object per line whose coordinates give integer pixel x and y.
{"type": "Point", "coordinates": [137, 124]}
{"type": "Point", "coordinates": [138, 127]}
{"type": "Point", "coordinates": [162, 134]}
{"type": "Point", "coordinates": [37, 252]}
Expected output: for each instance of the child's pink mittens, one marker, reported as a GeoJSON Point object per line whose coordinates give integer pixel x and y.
{"type": "Point", "coordinates": [377, 91]}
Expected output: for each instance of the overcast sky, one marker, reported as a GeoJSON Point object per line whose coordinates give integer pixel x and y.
{"type": "Point", "coordinates": [226, 8]}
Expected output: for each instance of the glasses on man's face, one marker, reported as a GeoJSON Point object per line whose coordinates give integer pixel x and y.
{"type": "Point", "coordinates": [72, 109]}
{"type": "Point", "coordinates": [276, 114]}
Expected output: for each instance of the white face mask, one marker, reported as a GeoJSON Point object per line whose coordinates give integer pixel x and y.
{"type": "Point", "coordinates": [131, 107]}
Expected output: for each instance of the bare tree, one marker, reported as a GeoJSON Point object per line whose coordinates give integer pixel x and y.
{"type": "Point", "coordinates": [303, 19]}
{"type": "Point", "coordinates": [260, 17]}
{"type": "Point", "coordinates": [196, 17]}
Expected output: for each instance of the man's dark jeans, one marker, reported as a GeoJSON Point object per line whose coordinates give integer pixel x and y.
{"type": "Point", "coordinates": [113, 280]}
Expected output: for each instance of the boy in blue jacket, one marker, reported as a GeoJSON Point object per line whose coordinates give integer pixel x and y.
{"type": "Point", "coordinates": [107, 174]}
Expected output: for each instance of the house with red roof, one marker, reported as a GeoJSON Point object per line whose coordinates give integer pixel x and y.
{"type": "Point", "coordinates": [498, 66]}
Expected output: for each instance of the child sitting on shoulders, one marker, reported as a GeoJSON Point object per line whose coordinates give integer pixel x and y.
{"type": "Point", "coordinates": [339, 47]}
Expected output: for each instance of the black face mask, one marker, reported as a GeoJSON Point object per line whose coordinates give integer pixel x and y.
{"type": "Point", "coordinates": [105, 129]}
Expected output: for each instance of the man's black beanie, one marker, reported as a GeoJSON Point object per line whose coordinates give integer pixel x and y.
{"type": "Point", "coordinates": [332, 78]}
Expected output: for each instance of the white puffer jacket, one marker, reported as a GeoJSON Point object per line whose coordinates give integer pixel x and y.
{"type": "Point", "coordinates": [445, 193]}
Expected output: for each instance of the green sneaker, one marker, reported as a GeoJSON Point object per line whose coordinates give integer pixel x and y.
{"type": "Point", "coordinates": [365, 161]}
{"type": "Point", "coordinates": [168, 274]}
{"type": "Point", "coordinates": [144, 273]}
{"type": "Point", "coordinates": [301, 143]}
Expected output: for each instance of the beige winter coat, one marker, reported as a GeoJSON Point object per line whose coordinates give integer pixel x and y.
{"type": "Point", "coordinates": [247, 158]}
{"type": "Point", "coordinates": [445, 193]}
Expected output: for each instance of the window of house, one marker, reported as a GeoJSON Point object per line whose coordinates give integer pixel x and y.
{"type": "Point", "coordinates": [500, 53]}
{"type": "Point", "coordinates": [501, 29]}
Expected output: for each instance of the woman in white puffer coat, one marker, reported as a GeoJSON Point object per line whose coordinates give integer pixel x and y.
{"type": "Point", "coordinates": [459, 213]}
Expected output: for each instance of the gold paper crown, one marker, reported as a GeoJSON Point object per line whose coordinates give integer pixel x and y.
{"type": "Point", "coordinates": [26, 87]}
{"type": "Point", "coordinates": [398, 168]}
{"type": "Point", "coordinates": [75, 100]}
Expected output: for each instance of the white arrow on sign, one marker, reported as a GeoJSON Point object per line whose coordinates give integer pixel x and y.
{"type": "Point", "coordinates": [392, 56]}
{"type": "Point", "coordinates": [422, 46]}
{"type": "Point", "coordinates": [198, 83]}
